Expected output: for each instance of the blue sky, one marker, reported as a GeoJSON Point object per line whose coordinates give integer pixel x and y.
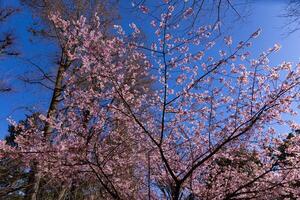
{"type": "Point", "coordinates": [24, 96]}
{"type": "Point", "coordinates": [263, 14]}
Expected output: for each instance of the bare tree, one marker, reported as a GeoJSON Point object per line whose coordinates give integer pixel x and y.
{"type": "Point", "coordinates": [292, 15]}
{"type": "Point", "coordinates": [6, 42]}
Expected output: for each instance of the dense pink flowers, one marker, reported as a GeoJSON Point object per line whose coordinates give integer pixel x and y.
{"type": "Point", "coordinates": [179, 121]}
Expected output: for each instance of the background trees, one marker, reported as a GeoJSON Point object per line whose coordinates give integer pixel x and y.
{"type": "Point", "coordinates": [6, 42]}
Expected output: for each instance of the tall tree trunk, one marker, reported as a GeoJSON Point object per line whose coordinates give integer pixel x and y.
{"type": "Point", "coordinates": [62, 192]}
{"type": "Point", "coordinates": [37, 179]}
{"type": "Point", "coordinates": [175, 192]}
{"type": "Point", "coordinates": [32, 195]}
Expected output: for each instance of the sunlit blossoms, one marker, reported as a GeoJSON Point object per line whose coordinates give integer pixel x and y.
{"type": "Point", "coordinates": [176, 119]}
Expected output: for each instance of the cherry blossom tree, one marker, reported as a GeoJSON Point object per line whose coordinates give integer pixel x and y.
{"type": "Point", "coordinates": [214, 12]}
{"type": "Point", "coordinates": [203, 131]}
{"type": "Point", "coordinates": [50, 78]}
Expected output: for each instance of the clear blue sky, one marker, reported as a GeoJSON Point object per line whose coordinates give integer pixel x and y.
{"type": "Point", "coordinates": [24, 96]}
{"type": "Point", "coordinates": [263, 14]}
